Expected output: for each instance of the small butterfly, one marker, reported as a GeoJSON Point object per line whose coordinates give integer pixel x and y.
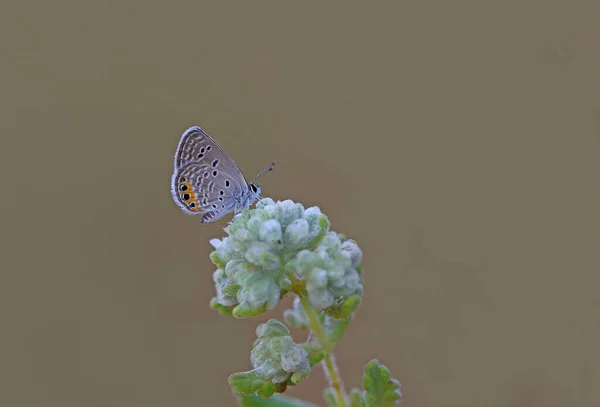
{"type": "Point", "coordinates": [206, 181]}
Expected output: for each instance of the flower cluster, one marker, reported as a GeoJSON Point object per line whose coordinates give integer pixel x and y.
{"type": "Point", "coordinates": [274, 245]}
{"type": "Point", "coordinates": [330, 270]}
{"type": "Point", "coordinates": [277, 360]}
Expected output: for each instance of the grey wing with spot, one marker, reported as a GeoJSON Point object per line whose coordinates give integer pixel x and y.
{"type": "Point", "coordinates": [197, 191]}
{"type": "Point", "coordinates": [206, 180]}
{"type": "Point", "coordinates": [197, 146]}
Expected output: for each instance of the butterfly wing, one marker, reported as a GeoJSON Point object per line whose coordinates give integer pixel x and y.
{"type": "Point", "coordinates": [196, 190]}
{"type": "Point", "coordinates": [206, 180]}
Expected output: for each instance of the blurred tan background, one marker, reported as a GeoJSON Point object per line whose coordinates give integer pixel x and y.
{"type": "Point", "coordinates": [457, 142]}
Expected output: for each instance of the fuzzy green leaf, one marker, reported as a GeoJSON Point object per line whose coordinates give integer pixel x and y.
{"type": "Point", "coordinates": [380, 389]}
{"type": "Point", "coordinates": [245, 311]}
{"type": "Point", "coordinates": [272, 329]}
{"type": "Point", "coordinates": [315, 352]}
{"type": "Point", "coordinates": [324, 225]}
{"type": "Point", "coordinates": [329, 398]}
{"type": "Point", "coordinates": [224, 310]}
{"type": "Point", "coordinates": [344, 308]}
{"type": "Point", "coordinates": [274, 401]}
{"type": "Point", "coordinates": [296, 317]}
{"type": "Point", "coordinates": [336, 330]}
{"type": "Point", "coordinates": [249, 383]}
{"type": "Point", "coordinates": [357, 399]}
{"type": "Point", "coordinates": [218, 260]}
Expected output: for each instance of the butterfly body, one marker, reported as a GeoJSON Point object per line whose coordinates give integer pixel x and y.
{"type": "Point", "coordinates": [206, 180]}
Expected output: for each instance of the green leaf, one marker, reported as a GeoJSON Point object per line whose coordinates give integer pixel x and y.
{"type": "Point", "coordinates": [296, 316]}
{"type": "Point", "coordinates": [344, 308]}
{"type": "Point", "coordinates": [224, 310]}
{"type": "Point", "coordinates": [243, 310]}
{"type": "Point", "coordinates": [217, 260]}
{"type": "Point", "coordinates": [357, 399]}
{"type": "Point", "coordinates": [231, 290]}
{"type": "Point", "coordinates": [323, 224]}
{"type": "Point", "coordinates": [272, 329]}
{"type": "Point", "coordinates": [329, 398]}
{"type": "Point", "coordinates": [381, 390]}
{"type": "Point", "coordinates": [249, 383]}
{"type": "Point", "coordinates": [335, 331]}
{"type": "Point", "coordinates": [315, 352]}
{"type": "Point", "coordinates": [275, 401]}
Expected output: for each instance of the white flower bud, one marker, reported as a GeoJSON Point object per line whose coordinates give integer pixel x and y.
{"type": "Point", "coordinates": [270, 231]}
{"type": "Point", "coordinates": [296, 231]}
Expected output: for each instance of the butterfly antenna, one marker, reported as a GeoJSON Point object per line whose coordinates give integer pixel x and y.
{"type": "Point", "coordinates": [265, 170]}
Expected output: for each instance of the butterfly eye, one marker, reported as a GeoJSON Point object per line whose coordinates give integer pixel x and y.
{"type": "Point", "coordinates": [253, 187]}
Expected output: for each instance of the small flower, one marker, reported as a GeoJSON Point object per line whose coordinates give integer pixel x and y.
{"type": "Point", "coordinates": [277, 361]}
{"type": "Point", "coordinates": [215, 243]}
{"type": "Point", "coordinates": [277, 356]}
{"type": "Point", "coordinates": [330, 270]}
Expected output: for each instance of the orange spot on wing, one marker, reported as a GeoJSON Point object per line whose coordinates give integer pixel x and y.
{"type": "Point", "coordinates": [192, 195]}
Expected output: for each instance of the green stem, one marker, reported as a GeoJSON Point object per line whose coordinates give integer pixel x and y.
{"type": "Point", "coordinates": [328, 361]}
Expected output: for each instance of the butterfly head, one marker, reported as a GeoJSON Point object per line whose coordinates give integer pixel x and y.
{"type": "Point", "coordinates": [254, 189]}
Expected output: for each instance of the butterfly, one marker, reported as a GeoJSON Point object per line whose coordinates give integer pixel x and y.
{"type": "Point", "coordinates": [206, 180]}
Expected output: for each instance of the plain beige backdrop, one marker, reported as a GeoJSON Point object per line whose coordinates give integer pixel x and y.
{"type": "Point", "coordinates": [457, 142]}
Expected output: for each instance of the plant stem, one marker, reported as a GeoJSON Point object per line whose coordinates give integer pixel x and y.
{"type": "Point", "coordinates": [329, 365]}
